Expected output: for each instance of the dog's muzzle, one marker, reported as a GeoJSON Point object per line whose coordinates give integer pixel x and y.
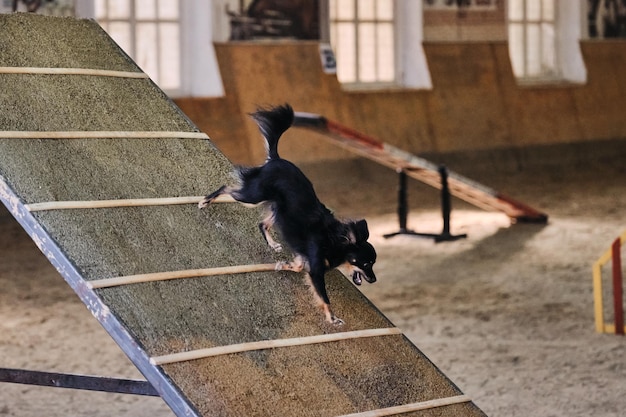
{"type": "Point", "coordinates": [358, 275]}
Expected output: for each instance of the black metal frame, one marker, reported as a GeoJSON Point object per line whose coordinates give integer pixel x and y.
{"type": "Point", "coordinates": [81, 382]}
{"type": "Point", "coordinates": [446, 208]}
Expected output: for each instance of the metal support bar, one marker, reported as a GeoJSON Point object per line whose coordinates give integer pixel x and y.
{"type": "Point", "coordinates": [82, 382]}
{"type": "Point", "coordinates": [446, 208]}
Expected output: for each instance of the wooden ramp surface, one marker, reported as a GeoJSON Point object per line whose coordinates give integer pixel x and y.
{"type": "Point", "coordinates": [418, 168]}
{"type": "Point", "coordinates": [236, 344]}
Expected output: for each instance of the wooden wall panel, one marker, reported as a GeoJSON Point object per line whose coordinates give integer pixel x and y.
{"type": "Point", "coordinates": [475, 103]}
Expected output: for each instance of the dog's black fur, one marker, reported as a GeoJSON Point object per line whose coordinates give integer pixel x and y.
{"type": "Point", "coordinates": [319, 241]}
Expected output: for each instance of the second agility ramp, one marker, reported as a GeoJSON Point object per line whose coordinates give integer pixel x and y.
{"type": "Point", "coordinates": [81, 123]}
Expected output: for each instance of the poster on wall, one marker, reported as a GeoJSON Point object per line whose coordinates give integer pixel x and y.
{"type": "Point", "coordinates": [607, 18]}
{"type": "Point", "coordinates": [271, 19]}
{"type": "Point", "coordinates": [455, 5]}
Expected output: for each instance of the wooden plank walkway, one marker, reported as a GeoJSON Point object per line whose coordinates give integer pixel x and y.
{"type": "Point", "coordinates": [418, 168]}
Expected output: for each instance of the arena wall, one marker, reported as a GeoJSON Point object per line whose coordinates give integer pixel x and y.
{"type": "Point", "coordinates": [475, 103]}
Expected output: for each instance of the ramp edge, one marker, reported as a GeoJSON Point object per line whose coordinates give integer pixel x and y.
{"type": "Point", "coordinates": [138, 356]}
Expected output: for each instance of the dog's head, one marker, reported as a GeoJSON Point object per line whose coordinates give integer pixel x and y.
{"type": "Point", "coordinates": [361, 255]}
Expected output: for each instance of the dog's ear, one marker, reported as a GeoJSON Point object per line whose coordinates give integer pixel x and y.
{"type": "Point", "coordinates": [360, 231]}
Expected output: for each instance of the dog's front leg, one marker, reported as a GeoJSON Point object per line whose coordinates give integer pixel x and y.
{"type": "Point", "coordinates": [330, 316]}
{"type": "Point", "coordinates": [318, 285]}
{"type": "Point", "coordinates": [297, 265]}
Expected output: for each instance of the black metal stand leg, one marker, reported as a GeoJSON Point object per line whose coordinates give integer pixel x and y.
{"type": "Point", "coordinates": [446, 208]}
{"type": "Point", "coordinates": [82, 382]}
{"type": "Point", "coordinates": [402, 206]}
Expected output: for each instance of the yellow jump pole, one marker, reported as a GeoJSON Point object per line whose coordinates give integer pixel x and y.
{"type": "Point", "coordinates": [598, 302]}
{"type": "Point", "coordinates": [597, 296]}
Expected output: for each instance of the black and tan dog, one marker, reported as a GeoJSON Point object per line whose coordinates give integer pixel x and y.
{"type": "Point", "coordinates": [319, 241]}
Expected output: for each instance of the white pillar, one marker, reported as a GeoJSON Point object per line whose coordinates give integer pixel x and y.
{"type": "Point", "coordinates": [410, 26]}
{"type": "Point", "coordinates": [571, 17]}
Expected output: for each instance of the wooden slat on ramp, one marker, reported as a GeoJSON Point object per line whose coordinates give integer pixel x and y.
{"type": "Point", "coordinates": [319, 370]}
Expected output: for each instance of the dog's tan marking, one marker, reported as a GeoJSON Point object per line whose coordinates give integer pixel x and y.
{"type": "Point", "coordinates": [266, 225]}
{"type": "Point", "coordinates": [298, 264]}
{"type": "Point", "coordinates": [328, 313]}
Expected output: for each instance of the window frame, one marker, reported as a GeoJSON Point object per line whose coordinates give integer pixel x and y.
{"type": "Point", "coordinates": [197, 62]}
{"type": "Point", "coordinates": [134, 21]}
{"type": "Point", "coordinates": [410, 65]}
{"type": "Point", "coordinates": [548, 72]}
{"type": "Point", "coordinates": [356, 23]}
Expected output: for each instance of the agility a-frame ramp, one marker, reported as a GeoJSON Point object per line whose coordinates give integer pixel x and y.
{"type": "Point", "coordinates": [421, 169]}
{"type": "Point", "coordinates": [103, 172]}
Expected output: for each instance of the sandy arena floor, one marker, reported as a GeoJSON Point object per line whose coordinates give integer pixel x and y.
{"type": "Point", "coordinates": [507, 313]}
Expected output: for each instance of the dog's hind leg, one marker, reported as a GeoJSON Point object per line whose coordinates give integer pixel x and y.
{"type": "Point", "coordinates": [224, 189]}
{"type": "Point", "coordinates": [265, 227]}
{"type": "Point", "coordinates": [241, 195]}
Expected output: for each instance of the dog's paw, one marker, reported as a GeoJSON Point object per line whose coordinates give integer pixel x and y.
{"type": "Point", "coordinates": [211, 197]}
{"type": "Point", "coordinates": [206, 201]}
{"type": "Point", "coordinates": [330, 316]}
{"type": "Point", "coordinates": [276, 246]}
{"type": "Point", "coordinates": [336, 321]}
{"type": "Point", "coordinates": [289, 266]}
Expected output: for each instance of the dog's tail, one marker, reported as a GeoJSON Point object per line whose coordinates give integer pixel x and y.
{"type": "Point", "coordinates": [272, 124]}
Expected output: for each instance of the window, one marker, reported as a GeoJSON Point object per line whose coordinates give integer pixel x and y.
{"type": "Point", "coordinates": [532, 40]}
{"type": "Point", "coordinates": [362, 34]}
{"type": "Point", "coordinates": [149, 31]}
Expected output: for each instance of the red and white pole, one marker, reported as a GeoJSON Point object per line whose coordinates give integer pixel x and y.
{"type": "Point", "coordinates": [618, 301]}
